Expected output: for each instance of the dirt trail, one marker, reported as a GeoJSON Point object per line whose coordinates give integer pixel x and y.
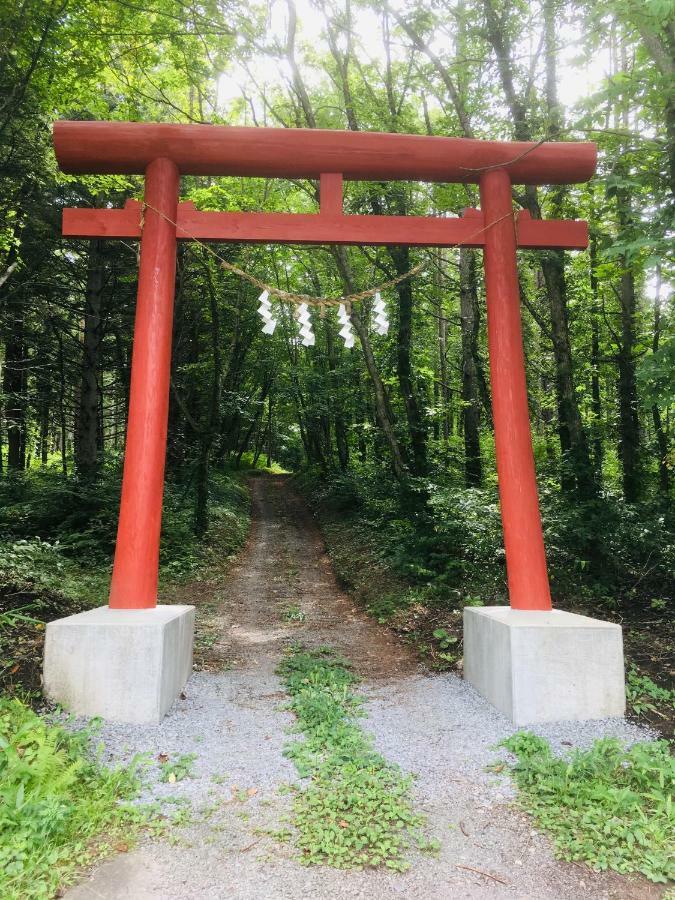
{"type": "Point", "coordinates": [284, 581]}
{"type": "Point", "coordinates": [281, 590]}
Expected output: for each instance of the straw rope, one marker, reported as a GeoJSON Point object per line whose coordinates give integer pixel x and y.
{"type": "Point", "coordinates": [289, 297]}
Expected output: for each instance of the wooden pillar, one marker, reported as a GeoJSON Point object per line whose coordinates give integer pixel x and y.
{"type": "Point", "coordinates": [523, 538]}
{"type": "Point", "coordinates": [135, 570]}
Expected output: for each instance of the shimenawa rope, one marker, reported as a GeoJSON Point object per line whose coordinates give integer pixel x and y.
{"type": "Point", "coordinates": [306, 298]}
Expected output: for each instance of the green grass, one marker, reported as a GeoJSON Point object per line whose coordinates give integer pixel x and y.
{"type": "Point", "coordinates": [357, 810]}
{"type": "Point", "coordinates": [643, 694]}
{"type": "Point", "coordinates": [609, 807]}
{"type": "Point", "coordinates": [59, 807]}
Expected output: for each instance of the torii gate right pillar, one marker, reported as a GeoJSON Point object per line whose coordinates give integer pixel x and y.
{"type": "Point", "coordinates": [533, 663]}
{"type": "Point", "coordinates": [523, 539]}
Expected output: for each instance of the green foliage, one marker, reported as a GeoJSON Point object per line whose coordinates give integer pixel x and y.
{"type": "Point", "coordinates": [452, 554]}
{"type": "Point", "coordinates": [644, 695]}
{"type": "Point", "coordinates": [59, 808]}
{"type": "Point", "coordinates": [357, 811]}
{"type": "Point", "coordinates": [294, 614]}
{"type": "Point", "coordinates": [178, 768]}
{"type": "Point", "coordinates": [60, 533]}
{"type": "Point", "coordinates": [609, 807]}
{"type": "Point", "coordinates": [444, 639]}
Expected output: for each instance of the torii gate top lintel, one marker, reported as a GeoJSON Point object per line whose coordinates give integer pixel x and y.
{"type": "Point", "coordinates": [129, 147]}
{"type": "Point", "coordinates": [164, 152]}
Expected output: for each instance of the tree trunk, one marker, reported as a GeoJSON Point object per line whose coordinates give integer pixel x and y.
{"type": "Point", "coordinates": [44, 425]}
{"type": "Point", "coordinates": [596, 402]}
{"type": "Point", "coordinates": [468, 297]}
{"type": "Point", "coordinates": [382, 406]}
{"type": "Point", "coordinates": [87, 444]}
{"type": "Point", "coordinates": [659, 430]}
{"type": "Point", "coordinates": [576, 473]}
{"type": "Point", "coordinates": [341, 443]}
{"type": "Point", "coordinates": [629, 423]}
{"type": "Point", "coordinates": [63, 431]}
{"type": "Point", "coordinates": [14, 388]}
{"type": "Point", "coordinates": [445, 396]}
{"type": "Point", "coordinates": [416, 427]}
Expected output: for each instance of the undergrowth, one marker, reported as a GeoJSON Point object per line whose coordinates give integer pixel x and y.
{"type": "Point", "coordinates": [445, 540]}
{"type": "Point", "coordinates": [56, 550]}
{"type": "Point", "coordinates": [357, 810]}
{"type": "Point", "coordinates": [59, 807]}
{"type": "Point", "coordinates": [59, 534]}
{"type": "Point", "coordinates": [644, 695]}
{"type": "Point", "coordinates": [608, 806]}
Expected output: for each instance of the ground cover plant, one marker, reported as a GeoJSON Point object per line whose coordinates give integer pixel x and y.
{"type": "Point", "coordinates": [609, 806]}
{"type": "Point", "coordinates": [357, 810]}
{"type": "Point", "coordinates": [56, 548]}
{"type": "Point", "coordinates": [59, 807]}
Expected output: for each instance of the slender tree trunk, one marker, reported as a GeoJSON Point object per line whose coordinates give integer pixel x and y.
{"type": "Point", "coordinates": [576, 468]}
{"type": "Point", "coordinates": [63, 431]}
{"type": "Point", "coordinates": [341, 443]}
{"type": "Point", "coordinates": [44, 426]}
{"type": "Point", "coordinates": [87, 456]}
{"type": "Point", "coordinates": [629, 424]}
{"type": "Point", "coordinates": [596, 402]}
{"type": "Point", "coordinates": [445, 395]}
{"type": "Point", "coordinates": [14, 388]}
{"type": "Point", "coordinates": [659, 430]}
{"type": "Point", "coordinates": [416, 426]}
{"type": "Point", "coordinates": [382, 406]}
{"type": "Point", "coordinates": [207, 433]}
{"type": "Point", "coordinates": [270, 422]}
{"type": "Point", "coordinates": [468, 296]}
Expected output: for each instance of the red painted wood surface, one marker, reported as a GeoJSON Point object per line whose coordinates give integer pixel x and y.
{"type": "Point", "coordinates": [135, 570]}
{"type": "Point", "coordinates": [128, 147]}
{"type": "Point", "coordinates": [523, 538]}
{"type": "Point", "coordinates": [323, 228]}
{"type": "Point", "coordinates": [330, 193]}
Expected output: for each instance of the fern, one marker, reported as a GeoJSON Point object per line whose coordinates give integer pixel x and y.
{"type": "Point", "coordinates": [56, 801]}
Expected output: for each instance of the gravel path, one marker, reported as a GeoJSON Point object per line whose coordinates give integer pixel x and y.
{"type": "Point", "coordinates": [434, 726]}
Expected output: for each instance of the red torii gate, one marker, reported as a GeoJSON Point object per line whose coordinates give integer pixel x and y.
{"type": "Point", "coordinates": [162, 152]}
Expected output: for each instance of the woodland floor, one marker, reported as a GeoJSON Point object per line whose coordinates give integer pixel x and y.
{"type": "Point", "coordinates": [282, 590]}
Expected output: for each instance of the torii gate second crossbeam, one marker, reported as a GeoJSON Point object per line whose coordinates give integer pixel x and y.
{"type": "Point", "coordinates": [162, 152]}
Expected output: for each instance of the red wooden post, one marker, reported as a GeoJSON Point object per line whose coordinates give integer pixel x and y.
{"type": "Point", "coordinates": [135, 570]}
{"type": "Point", "coordinates": [523, 538]}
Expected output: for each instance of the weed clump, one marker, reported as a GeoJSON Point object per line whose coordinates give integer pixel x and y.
{"type": "Point", "coordinates": [357, 810]}
{"type": "Point", "coordinates": [609, 806]}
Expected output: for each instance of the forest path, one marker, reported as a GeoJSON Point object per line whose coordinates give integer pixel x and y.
{"type": "Point", "coordinates": [282, 589]}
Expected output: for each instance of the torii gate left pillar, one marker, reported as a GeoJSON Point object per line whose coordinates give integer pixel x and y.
{"type": "Point", "coordinates": [521, 681]}
{"type": "Point", "coordinates": [136, 565]}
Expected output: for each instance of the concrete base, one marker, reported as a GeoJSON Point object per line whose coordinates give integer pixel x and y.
{"type": "Point", "coordinates": [544, 666]}
{"type": "Point", "coordinates": [127, 665]}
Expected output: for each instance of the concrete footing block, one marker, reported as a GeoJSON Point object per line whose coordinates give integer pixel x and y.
{"type": "Point", "coordinates": [126, 665]}
{"type": "Point", "coordinates": [544, 666]}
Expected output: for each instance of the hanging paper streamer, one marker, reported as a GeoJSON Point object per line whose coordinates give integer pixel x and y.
{"type": "Point", "coordinates": [380, 320]}
{"type": "Point", "coordinates": [305, 321]}
{"type": "Point", "coordinates": [265, 312]}
{"type": "Point", "coordinates": [346, 332]}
